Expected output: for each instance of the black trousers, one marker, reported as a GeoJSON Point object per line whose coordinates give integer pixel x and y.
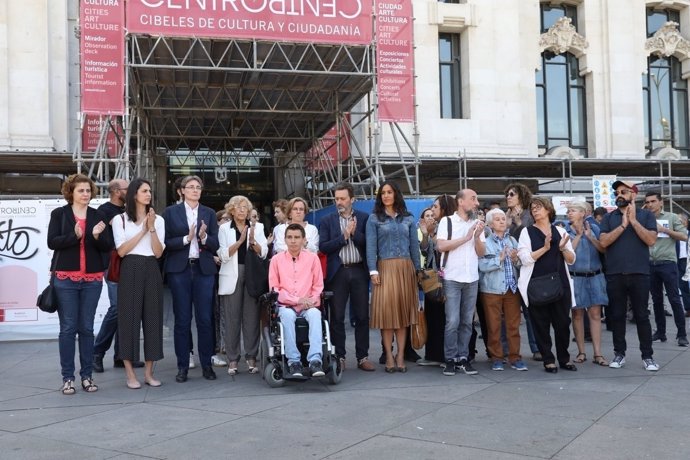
{"type": "Point", "coordinates": [350, 282]}
{"type": "Point", "coordinates": [435, 313]}
{"type": "Point", "coordinates": [556, 315]}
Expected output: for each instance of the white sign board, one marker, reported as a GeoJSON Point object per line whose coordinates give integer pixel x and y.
{"type": "Point", "coordinates": [25, 270]}
{"type": "Point", "coordinates": [602, 192]}
{"type": "Point", "coordinates": [560, 203]}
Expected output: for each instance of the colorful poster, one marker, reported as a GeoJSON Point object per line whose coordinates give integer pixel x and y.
{"type": "Point", "coordinates": [25, 270]}
{"type": "Point", "coordinates": [102, 48]}
{"type": "Point", "coordinates": [395, 60]}
{"type": "Point", "coordinates": [315, 21]}
{"type": "Point", "coordinates": [602, 192]}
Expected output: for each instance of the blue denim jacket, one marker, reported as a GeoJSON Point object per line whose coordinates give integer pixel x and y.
{"type": "Point", "coordinates": [587, 258]}
{"type": "Point", "coordinates": [392, 238]}
{"type": "Point", "coordinates": [492, 278]}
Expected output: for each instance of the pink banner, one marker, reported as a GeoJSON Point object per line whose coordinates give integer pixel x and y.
{"type": "Point", "coordinates": [91, 134]}
{"type": "Point", "coordinates": [323, 154]}
{"type": "Point", "coordinates": [318, 21]}
{"type": "Point", "coordinates": [395, 60]}
{"type": "Point", "coordinates": [102, 46]}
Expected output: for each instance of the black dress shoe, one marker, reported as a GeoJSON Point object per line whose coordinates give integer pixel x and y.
{"type": "Point", "coordinates": [98, 364]}
{"type": "Point", "coordinates": [568, 366]}
{"type": "Point", "coordinates": [208, 373]}
{"type": "Point", "coordinates": [552, 369]}
{"type": "Point", "coordinates": [181, 376]}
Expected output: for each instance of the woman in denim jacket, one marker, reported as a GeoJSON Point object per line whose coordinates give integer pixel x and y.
{"type": "Point", "coordinates": [393, 259]}
{"type": "Point", "coordinates": [498, 275]}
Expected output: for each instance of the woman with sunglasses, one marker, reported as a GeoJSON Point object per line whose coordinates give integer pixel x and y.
{"type": "Point", "coordinates": [518, 197]}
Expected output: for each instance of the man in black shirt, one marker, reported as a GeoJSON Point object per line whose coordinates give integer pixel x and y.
{"type": "Point", "coordinates": [627, 234]}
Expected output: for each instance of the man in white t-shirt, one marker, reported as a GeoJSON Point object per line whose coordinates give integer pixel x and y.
{"type": "Point", "coordinates": [464, 244]}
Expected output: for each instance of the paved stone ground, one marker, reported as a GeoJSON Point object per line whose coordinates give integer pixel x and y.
{"type": "Point", "coordinates": [597, 412]}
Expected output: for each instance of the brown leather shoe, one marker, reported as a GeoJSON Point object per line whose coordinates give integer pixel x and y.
{"type": "Point", "coordinates": [366, 365]}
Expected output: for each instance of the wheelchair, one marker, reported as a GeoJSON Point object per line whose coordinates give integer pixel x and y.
{"type": "Point", "coordinates": [272, 357]}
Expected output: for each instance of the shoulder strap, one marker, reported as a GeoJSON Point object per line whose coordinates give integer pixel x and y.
{"type": "Point", "coordinates": [444, 260]}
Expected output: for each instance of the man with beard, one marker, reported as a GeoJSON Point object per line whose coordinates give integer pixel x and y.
{"type": "Point", "coordinates": [627, 234]}
{"type": "Point", "coordinates": [342, 238]}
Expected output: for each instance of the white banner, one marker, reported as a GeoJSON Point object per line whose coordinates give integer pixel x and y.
{"type": "Point", "coordinates": [561, 202]}
{"type": "Point", "coordinates": [25, 270]}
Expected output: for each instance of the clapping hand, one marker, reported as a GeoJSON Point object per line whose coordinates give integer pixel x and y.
{"type": "Point", "coordinates": [202, 230]}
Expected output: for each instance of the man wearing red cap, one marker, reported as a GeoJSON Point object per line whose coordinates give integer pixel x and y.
{"type": "Point", "coordinates": [627, 234]}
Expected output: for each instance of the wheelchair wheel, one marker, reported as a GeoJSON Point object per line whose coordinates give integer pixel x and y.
{"type": "Point", "coordinates": [273, 376]}
{"type": "Point", "coordinates": [335, 373]}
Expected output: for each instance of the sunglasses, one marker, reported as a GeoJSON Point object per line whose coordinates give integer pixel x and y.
{"type": "Point", "coordinates": [622, 192]}
{"type": "Point", "coordinates": [510, 194]}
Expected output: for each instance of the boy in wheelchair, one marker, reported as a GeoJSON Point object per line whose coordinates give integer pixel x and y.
{"type": "Point", "coordinates": [297, 278]}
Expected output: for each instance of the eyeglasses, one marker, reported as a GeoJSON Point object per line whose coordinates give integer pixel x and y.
{"type": "Point", "coordinates": [510, 194]}
{"type": "Point", "coordinates": [535, 207]}
{"type": "Point", "coordinates": [194, 187]}
{"type": "Point", "coordinates": [622, 192]}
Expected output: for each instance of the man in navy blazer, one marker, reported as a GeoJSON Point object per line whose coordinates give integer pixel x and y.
{"type": "Point", "coordinates": [191, 241]}
{"type": "Point", "coordinates": [342, 238]}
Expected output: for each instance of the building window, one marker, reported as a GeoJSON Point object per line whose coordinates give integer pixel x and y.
{"type": "Point", "coordinates": [449, 75]}
{"type": "Point", "coordinates": [665, 95]}
{"type": "Point", "coordinates": [561, 107]}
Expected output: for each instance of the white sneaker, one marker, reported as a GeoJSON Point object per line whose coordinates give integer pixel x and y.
{"type": "Point", "coordinates": [217, 361]}
{"type": "Point", "coordinates": [192, 363]}
{"type": "Point", "coordinates": [650, 365]}
{"type": "Point", "coordinates": [618, 362]}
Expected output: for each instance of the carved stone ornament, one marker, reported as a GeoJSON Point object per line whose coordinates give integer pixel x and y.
{"type": "Point", "coordinates": [667, 41]}
{"type": "Point", "coordinates": [563, 37]}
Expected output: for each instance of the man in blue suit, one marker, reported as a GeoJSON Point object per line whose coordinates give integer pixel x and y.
{"type": "Point", "coordinates": [191, 241]}
{"type": "Point", "coordinates": [342, 238]}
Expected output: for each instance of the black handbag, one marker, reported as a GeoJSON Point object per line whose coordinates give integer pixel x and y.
{"type": "Point", "coordinates": [47, 300]}
{"type": "Point", "coordinates": [544, 289]}
{"type": "Point", "coordinates": [255, 274]}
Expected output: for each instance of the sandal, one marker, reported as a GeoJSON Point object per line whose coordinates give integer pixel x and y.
{"type": "Point", "coordinates": [600, 360]}
{"type": "Point", "coordinates": [251, 364]}
{"type": "Point", "coordinates": [232, 368]}
{"type": "Point", "coordinates": [68, 387]}
{"type": "Point", "coordinates": [88, 385]}
{"type": "Point", "coordinates": [579, 359]}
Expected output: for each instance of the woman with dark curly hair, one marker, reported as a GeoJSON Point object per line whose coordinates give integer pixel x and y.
{"type": "Point", "coordinates": [434, 311]}
{"type": "Point", "coordinates": [76, 235]}
{"type": "Point", "coordinates": [393, 258]}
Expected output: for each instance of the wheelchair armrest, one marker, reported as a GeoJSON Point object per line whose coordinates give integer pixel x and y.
{"type": "Point", "coordinates": [326, 295]}
{"type": "Point", "coordinates": [268, 298]}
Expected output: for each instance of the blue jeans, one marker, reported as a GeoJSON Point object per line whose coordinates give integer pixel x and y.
{"type": "Point", "coordinates": [108, 330]}
{"type": "Point", "coordinates": [191, 287]}
{"type": "Point", "coordinates": [461, 299]}
{"type": "Point", "coordinates": [287, 319]}
{"type": "Point", "coordinates": [78, 301]}
{"type": "Point", "coordinates": [665, 275]}
{"type": "Point", "coordinates": [530, 331]}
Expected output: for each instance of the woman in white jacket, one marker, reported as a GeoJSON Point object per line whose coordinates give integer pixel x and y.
{"type": "Point", "coordinates": [544, 249]}
{"type": "Point", "coordinates": [236, 238]}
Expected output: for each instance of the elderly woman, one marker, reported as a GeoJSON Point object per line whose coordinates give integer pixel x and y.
{"type": "Point", "coordinates": [139, 235]}
{"type": "Point", "coordinates": [393, 258]}
{"type": "Point", "coordinates": [236, 238]}
{"type": "Point", "coordinates": [518, 198]}
{"type": "Point", "coordinates": [498, 276]}
{"type": "Point", "coordinates": [545, 249]}
{"type": "Point", "coordinates": [589, 281]}
{"type": "Point", "coordinates": [76, 235]}
{"type": "Point", "coordinates": [297, 210]}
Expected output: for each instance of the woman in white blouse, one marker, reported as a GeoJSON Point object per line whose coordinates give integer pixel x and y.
{"type": "Point", "coordinates": [297, 210]}
{"type": "Point", "coordinates": [139, 235]}
{"type": "Point", "coordinates": [236, 238]}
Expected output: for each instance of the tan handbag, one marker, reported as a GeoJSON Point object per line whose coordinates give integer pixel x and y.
{"type": "Point", "coordinates": [419, 331]}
